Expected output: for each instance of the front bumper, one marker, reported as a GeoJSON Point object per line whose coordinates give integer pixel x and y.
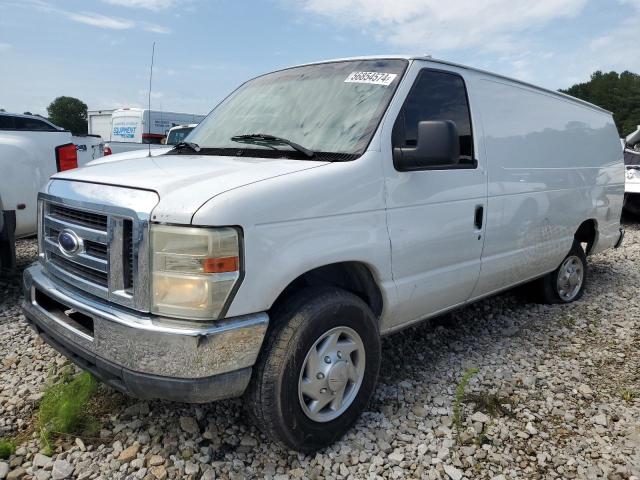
{"type": "Point", "coordinates": [142, 355]}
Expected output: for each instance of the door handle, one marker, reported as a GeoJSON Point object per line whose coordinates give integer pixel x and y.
{"type": "Point", "coordinates": [479, 216]}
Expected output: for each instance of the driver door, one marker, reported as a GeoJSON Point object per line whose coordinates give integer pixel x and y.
{"type": "Point", "coordinates": [436, 215]}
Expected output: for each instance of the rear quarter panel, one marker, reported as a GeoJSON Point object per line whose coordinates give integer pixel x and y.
{"type": "Point", "coordinates": [552, 164]}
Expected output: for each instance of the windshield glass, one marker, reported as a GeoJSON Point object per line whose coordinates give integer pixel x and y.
{"type": "Point", "coordinates": [331, 108]}
{"type": "Point", "coordinates": [178, 135]}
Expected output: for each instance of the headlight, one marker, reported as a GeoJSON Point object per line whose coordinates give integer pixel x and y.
{"type": "Point", "coordinates": [193, 270]}
{"type": "Point", "coordinates": [633, 173]}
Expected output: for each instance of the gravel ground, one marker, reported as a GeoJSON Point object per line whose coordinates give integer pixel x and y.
{"type": "Point", "coordinates": [557, 395]}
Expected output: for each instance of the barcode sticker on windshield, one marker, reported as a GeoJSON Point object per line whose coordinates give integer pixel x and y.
{"type": "Point", "coordinates": [375, 78]}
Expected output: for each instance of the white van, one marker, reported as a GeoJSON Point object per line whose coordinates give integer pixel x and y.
{"type": "Point", "coordinates": [314, 210]}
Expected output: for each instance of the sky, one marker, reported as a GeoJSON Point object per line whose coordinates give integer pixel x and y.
{"type": "Point", "coordinates": [100, 50]}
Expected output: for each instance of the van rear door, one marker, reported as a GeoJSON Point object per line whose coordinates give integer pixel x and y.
{"type": "Point", "coordinates": [127, 127]}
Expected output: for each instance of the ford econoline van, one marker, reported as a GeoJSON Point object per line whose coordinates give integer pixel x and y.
{"type": "Point", "coordinates": [314, 210]}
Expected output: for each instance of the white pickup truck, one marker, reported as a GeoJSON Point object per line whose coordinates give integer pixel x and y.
{"type": "Point", "coordinates": [31, 150]}
{"type": "Point", "coordinates": [632, 165]}
{"type": "Point", "coordinates": [316, 209]}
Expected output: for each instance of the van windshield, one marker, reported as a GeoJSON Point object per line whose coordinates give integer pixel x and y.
{"type": "Point", "coordinates": [332, 109]}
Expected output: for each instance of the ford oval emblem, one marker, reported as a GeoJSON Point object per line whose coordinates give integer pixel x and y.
{"type": "Point", "coordinates": [69, 242]}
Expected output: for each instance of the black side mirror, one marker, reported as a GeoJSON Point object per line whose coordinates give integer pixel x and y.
{"type": "Point", "coordinates": [438, 146]}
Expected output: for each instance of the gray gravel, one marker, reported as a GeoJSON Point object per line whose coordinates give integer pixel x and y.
{"type": "Point", "coordinates": [557, 395]}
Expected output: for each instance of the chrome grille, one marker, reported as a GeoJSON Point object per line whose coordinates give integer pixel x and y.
{"type": "Point", "coordinates": [82, 271]}
{"type": "Point", "coordinates": [112, 261]}
{"type": "Point", "coordinates": [78, 217]}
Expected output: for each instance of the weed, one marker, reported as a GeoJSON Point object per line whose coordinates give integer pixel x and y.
{"type": "Point", "coordinates": [568, 321]}
{"type": "Point", "coordinates": [628, 395]}
{"type": "Point", "coordinates": [7, 448]}
{"type": "Point", "coordinates": [460, 393]}
{"type": "Point", "coordinates": [490, 403]}
{"type": "Point", "coordinates": [63, 408]}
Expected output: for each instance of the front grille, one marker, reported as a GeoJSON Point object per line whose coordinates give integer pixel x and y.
{"type": "Point", "coordinates": [79, 217]}
{"type": "Point", "coordinates": [96, 249]}
{"type": "Point", "coordinates": [79, 270]}
{"type": "Point", "coordinates": [104, 264]}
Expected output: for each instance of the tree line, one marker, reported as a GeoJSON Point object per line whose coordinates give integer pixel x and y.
{"type": "Point", "coordinates": [618, 93]}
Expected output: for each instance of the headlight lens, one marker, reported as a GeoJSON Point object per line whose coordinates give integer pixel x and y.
{"type": "Point", "coordinates": [194, 270]}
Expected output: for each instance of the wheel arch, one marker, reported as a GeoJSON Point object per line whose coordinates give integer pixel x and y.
{"type": "Point", "coordinates": [587, 233]}
{"type": "Point", "coordinates": [353, 276]}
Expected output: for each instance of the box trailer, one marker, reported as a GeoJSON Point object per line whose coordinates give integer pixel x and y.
{"type": "Point", "coordinates": [137, 125]}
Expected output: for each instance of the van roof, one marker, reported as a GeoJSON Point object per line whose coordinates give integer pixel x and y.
{"type": "Point", "coordinates": [429, 58]}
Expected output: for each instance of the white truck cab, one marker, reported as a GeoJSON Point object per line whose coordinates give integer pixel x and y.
{"type": "Point", "coordinates": [177, 134]}
{"type": "Point", "coordinates": [314, 210]}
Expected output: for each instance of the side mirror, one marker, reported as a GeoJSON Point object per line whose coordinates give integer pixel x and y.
{"type": "Point", "coordinates": [438, 145]}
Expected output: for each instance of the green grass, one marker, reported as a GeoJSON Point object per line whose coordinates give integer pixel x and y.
{"type": "Point", "coordinates": [63, 408]}
{"type": "Point", "coordinates": [7, 448]}
{"type": "Point", "coordinates": [460, 393]}
{"type": "Point", "coordinates": [628, 395]}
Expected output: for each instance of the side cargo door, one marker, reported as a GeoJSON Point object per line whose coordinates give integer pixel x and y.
{"type": "Point", "coordinates": [436, 216]}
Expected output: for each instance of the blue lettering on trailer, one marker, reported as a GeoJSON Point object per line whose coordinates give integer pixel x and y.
{"type": "Point", "coordinates": [124, 132]}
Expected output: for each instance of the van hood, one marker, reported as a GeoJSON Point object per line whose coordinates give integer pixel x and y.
{"type": "Point", "coordinates": [186, 182]}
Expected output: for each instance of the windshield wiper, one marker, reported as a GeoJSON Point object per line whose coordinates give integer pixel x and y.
{"type": "Point", "coordinates": [186, 145]}
{"type": "Point", "coordinates": [263, 137]}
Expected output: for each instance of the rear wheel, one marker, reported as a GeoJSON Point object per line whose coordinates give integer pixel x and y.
{"type": "Point", "coordinates": [566, 283]}
{"type": "Point", "coordinates": [317, 369]}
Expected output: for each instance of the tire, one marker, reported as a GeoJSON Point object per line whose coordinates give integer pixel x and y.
{"type": "Point", "coordinates": [274, 397]}
{"type": "Point", "coordinates": [554, 289]}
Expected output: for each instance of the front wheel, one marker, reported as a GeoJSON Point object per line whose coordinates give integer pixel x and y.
{"type": "Point", "coordinates": [567, 282]}
{"type": "Point", "coordinates": [317, 369]}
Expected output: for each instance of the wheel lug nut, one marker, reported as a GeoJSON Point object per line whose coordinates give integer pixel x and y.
{"type": "Point", "coordinates": [339, 354]}
{"type": "Point", "coordinates": [320, 376]}
{"type": "Point", "coordinates": [323, 390]}
{"type": "Point", "coordinates": [327, 359]}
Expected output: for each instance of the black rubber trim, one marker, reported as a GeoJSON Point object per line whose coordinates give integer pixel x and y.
{"type": "Point", "coordinates": [619, 242]}
{"type": "Point", "coordinates": [142, 385]}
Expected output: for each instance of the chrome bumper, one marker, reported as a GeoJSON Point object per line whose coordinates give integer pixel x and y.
{"type": "Point", "coordinates": [142, 355]}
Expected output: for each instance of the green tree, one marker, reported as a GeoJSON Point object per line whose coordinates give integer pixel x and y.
{"type": "Point", "coordinates": [618, 93]}
{"type": "Point", "coordinates": [69, 113]}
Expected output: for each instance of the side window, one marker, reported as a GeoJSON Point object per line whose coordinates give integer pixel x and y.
{"type": "Point", "coordinates": [23, 123]}
{"type": "Point", "coordinates": [435, 95]}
